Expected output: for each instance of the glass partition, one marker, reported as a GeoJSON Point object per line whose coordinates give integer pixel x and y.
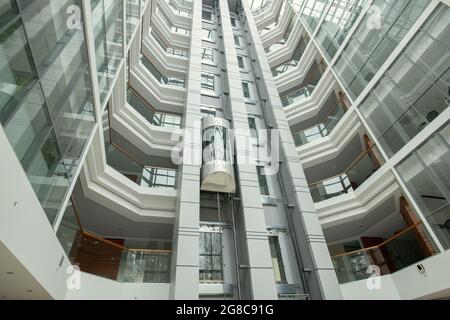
{"type": "Point", "coordinates": [394, 254]}
{"type": "Point", "coordinates": [322, 129]}
{"type": "Point", "coordinates": [357, 173]}
{"type": "Point", "coordinates": [109, 259]}
{"type": "Point", "coordinates": [298, 95]}
{"type": "Point", "coordinates": [426, 175]}
{"type": "Point", "coordinates": [107, 19]}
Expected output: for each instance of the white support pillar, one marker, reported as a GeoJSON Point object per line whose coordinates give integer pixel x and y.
{"type": "Point", "coordinates": [185, 263]}
{"type": "Point", "coordinates": [262, 278]}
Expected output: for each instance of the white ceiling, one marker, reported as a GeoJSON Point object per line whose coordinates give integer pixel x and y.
{"type": "Point", "coordinates": [16, 283]}
{"type": "Point", "coordinates": [383, 222]}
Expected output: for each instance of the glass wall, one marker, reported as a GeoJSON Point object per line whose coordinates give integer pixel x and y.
{"type": "Point", "coordinates": [372, 44]}
{"type": "Point", "coordinates": [339, 20]}
{"type": "Point", "coordinates": [313, 11]}
{"type": "Point", "coordinates": [133, 11]}
{"type": "Point", "coordinates": [426, 174]}
{"type": "Point", "coordinates": [45, 92]}
{"type": "Point", "coordinates": [60, 56]}
{"type": "Point", "coordinates": [415, 90]}
{"type": "Point", "coordinates": [107, 19]}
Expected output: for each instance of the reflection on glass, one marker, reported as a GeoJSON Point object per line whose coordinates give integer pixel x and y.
{"type": "Point", "coordinates": [426, 175]}
{"type": "Point", "coordinates": [60, 55]}
{"type": "Point", "coordinates": [107, 19]}
{"type": "Point", "coordinates": [358, 172]}
{"type": "Point", "coordinates": [394, 254]}
{"type": "Point", "coordinates": [414, 91]}
{"type": "Point", "coordinates": [369, 47]}
{"type": "Point", "coordinates": [339, 20]}
{"type": "Point", "coordinates": [211, 268]}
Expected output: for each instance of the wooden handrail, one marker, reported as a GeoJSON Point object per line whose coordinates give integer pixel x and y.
{"type": "Point", "coordinates": [111, 243]}
{"type": "Point", "coordinates": [398, 235]}
{"type": "Point", "coordinates": [328, 114]}
{"type": "Point", "coordinates": [98, 238]}
{"type": "Point", "coordinates": [350, 167]}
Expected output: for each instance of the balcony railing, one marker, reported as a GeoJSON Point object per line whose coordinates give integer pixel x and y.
{"type": "Point", "coordinates": [177, 11]}
{"type": "Point", "coordinates": [155, 118]}
{"type": "Point", "coordinates": [169, 50]}
{"type": "Point", "coordinates": [170, 81]}
{"type": "Point", "coordinates": [108, 259]}
{"type": "Point", "coordinates": [357, 173]}
{"type": "Point", "coordinates": [394, 254]}
{"type": "Point", "coordinates": [293, 62]}
{"type": "Point", "coordinates": [298, 95]}
{"type": "Point", "coordinates": [142, 175]}
{"type": "Point", "coordinates": [322, 129]}
{"type": "Point", "coordinates": [285, 38]}
{"type": "Point", "coordinates": [264, 5]}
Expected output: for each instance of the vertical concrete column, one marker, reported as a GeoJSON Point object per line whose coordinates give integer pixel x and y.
{"type": "Point", "coordinates": [321, 277]}
{"type": "Point", "coordinates": [185, 263]}
{"type": "Point", "coordinates": [262, 278]}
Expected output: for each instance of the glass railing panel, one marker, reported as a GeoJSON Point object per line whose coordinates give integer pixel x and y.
{"type": "Point", "coordinates": [403, 251]}
{"type": "Point", "coordinates": [298, 95]}
{"type": "Point", "coordinates": [364, 167]}
{"type": "Point", "coordinates": [109, 259]}
{"type": "Point", "coordinates": [171, 81]}
{"type": "Point", "coordinates": [334, 117]}
{"type": "Point", "coordinates": [321, 130]}
{"type": "Point", "coordinates": [310, 135]}
{"type": "Point", "coordinates": [440, 222]}
{"type": "Point", "coordinates": [396, 253]}
{"type": "Point", "coordinates": [330, 188]}
{"type": "Point", "coordinates": [155, 118]}
{"type": "Point", "coordinates": [68, 229]}
{"type": "Point", "coordinates": [276, 71]}
{"type": "Point", "coordinates": [169, 50]}
{"type": "Point", "coordinates": [352, 267]}
{"type": "Point", "coordinates": [144, 267]}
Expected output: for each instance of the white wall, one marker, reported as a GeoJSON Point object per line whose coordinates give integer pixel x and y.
{"type": "Point", "coordinates": [408, 283]}
{"type": "Point", "coordinates": [97, 288]}
{"type": "Point", "coordinates": [412, 284]}
{"type": "Point", "coordinates": [24, 228]}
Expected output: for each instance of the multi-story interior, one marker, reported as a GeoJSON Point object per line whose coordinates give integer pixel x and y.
{"type": "Point", "coordinates": [225, 149]}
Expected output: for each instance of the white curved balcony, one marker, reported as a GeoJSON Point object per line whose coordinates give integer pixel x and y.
{"type": "Point", "coordinates": [182, 19]}
{"type": "Point", "coordinates": [111, 189]}
{"type": "Point", "coordinates": [278, 32]}
{"type": "Point", "coordinates": [305, 107]}
{"type": "Point", "coordinates": [160, 96]}
{"type": "Point", "coordinates": [284, 52]}
{"type": "Point", "coordinates": [327, 148]}
{"type": "Point", "coordinates": [164, 31]}
{"type": "Point", "coordinates": [357, 204]}
{"type": "Point", "coordinates": [169, 64]}
{"type": "Point", "coordinates": [267, 15]}
{"type": "Point", "coordinates": [295, 75]}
